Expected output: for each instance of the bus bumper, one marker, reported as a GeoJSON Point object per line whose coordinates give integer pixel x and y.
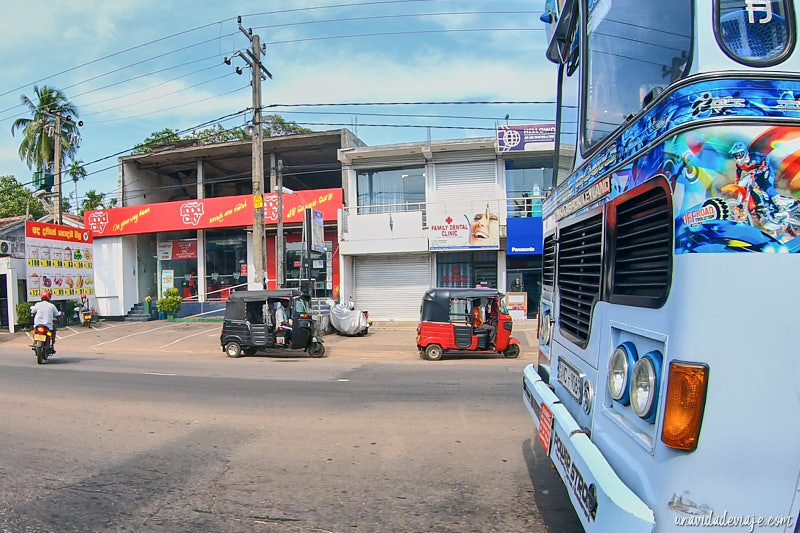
{"type": "Point", "coordinates": [601, 500]}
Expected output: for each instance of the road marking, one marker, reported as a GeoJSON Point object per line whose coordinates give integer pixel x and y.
{"type": "Point", "coordinates": [128, 336]}
{"type": "Point", "coordinates": [344, 380]}
{"type": "Point", "coordinates": [187, 337]}
{"type": "Point", "coordinates": [158, 374]}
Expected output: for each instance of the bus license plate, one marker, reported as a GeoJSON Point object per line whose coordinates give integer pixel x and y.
{"type": "Point", "coordinates": [39, 337]}
{"type": "Point", "coordinates": [570, 379]}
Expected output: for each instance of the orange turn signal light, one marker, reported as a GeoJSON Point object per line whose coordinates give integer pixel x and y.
{"type": "Point", "coordinates": [685, 403]}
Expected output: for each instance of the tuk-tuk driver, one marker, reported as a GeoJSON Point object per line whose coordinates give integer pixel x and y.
{"type": "Point", "coordinates": [477, 317]}
{"type": "Point", "coordinates": [282, 321]}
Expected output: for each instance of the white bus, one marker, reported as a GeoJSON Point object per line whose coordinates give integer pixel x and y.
{"type": "Point", "coordinates": [667, 387]}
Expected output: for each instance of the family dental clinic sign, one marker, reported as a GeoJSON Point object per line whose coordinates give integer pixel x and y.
{"type": "Point", "coordinates": [209, 213]}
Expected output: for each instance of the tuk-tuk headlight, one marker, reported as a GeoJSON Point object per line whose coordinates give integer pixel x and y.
{"type": "Point", "coordinates": [644, 385]}
{"type": "Point", "coordinates": [620, 367]}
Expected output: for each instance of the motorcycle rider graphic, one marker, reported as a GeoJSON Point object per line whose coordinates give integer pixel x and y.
{"type": "Point", "coordinates": [757, 202]}
{"type": "Point", "coordinates": [756, 180]}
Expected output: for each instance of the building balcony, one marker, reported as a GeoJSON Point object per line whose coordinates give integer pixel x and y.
{"type": "Point", "coordinates": [395, 228]}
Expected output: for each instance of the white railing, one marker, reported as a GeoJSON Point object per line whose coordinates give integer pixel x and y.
{"type": "Point", "coordinates": [516, 207]}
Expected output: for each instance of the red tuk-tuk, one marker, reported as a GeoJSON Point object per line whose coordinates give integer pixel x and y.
{"type": "Point", "coordinates": [464, 320]}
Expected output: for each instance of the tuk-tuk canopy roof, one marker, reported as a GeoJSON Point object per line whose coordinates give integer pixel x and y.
{"type": "Point", "coordinates": [436, 302]}
{"type": "Point", "coordinates": [235, 308]}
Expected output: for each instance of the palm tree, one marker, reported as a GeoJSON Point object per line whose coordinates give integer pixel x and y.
{"type": "Point", "coordinates": [76, 172]}
{"type": "Point", "coordinates": [37, 148]}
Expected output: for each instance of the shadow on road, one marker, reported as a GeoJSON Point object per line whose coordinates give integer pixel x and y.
{"type": "Point", "coordinates": [549, 492]}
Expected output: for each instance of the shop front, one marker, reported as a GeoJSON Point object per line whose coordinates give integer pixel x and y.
{"type": "Point", "coordinates": [523, 266]}
{"type": "Point", "coordinates": [204, 247]}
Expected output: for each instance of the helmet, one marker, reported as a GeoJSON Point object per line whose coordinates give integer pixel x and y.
{"type": "Point", "coordinates": [46, 295]}
{"type": "Point", "coordinates": [83, 296]}
{"type": "Point", "coordinates": [738, 150]}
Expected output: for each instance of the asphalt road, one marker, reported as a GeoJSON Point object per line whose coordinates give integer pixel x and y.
{"type": "Point", "coordinates": [133, 441]}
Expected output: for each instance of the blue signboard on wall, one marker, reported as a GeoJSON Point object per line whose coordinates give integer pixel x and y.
{"type": "Point", "coordinates": [524, 236]}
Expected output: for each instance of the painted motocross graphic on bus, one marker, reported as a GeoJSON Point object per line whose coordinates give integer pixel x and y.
{"type": "Point", "coordinates": [735, 189]}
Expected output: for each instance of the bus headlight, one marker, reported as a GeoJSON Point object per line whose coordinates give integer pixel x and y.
{"type": "Point", "coordinates": [644, 385]}
{"type": "Point", "coordinates": [620, 367]}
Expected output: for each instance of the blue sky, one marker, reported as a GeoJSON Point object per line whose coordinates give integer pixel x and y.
{"type": "Point", "coordinates": [319, 52]}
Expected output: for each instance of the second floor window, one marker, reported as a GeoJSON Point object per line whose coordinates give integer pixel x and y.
{"type": "Point", "coordinates": [391, 190]}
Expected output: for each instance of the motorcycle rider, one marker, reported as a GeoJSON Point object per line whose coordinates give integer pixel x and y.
{"type": "Point", "coordinates": [44, 312]}
{"type": "Point", "coordinates": [762, 184]}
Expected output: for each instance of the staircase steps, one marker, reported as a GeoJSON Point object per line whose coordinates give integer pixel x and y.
{"type": "Point", "coordinates": [137, 314]}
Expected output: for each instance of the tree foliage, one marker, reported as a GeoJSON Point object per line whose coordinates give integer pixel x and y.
{"type": "Point", "coordinates": [18, 200]}
{"type": "Point", "coordinates": [94, 201]}
{"type": "Point", "coordinates": [156, 139]}
{"type": "Point", "coordinates": [272, 125]}
{"type": "Point", "coordinates": [277, 126]}
{"type": "Point", "coordinates": [37, 148]}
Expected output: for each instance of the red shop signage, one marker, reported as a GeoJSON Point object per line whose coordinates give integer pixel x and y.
{"type": "Point", "coordinates": [209, 213]}
{"type": "Point", "coordinates": [184, 249]}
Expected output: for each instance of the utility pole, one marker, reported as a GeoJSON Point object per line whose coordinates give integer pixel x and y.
{"type": "Point", "coordinates": [258, 173]}
{"type": "Point", "coordinates": [280, 255]}
{"type": "Point", "coordinates": [57, 168]}
{"type": "Point", "coordinates": [253, 59]}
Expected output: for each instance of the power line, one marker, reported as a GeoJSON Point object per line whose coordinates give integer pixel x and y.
{"type": "Point", "coordinates": [396, 16]}
{"type": "Point", "coordinates": [116, 54]}
{"type": "Point", "coordinates": [412, 32]}
{"type": "Point", "coordinates": [184, 32]}
{"type": "Point", "coordinates": [171, 107]}
{"type": "Point", "coordinates": [156, 97]}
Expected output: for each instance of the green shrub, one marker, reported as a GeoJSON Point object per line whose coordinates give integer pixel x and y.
{"type": "Point", "coordinates": [69, 309]}
{"type": "Point", "coordinates": [24, 316]}
{"type": "Point", "coordinates": [170, 303]}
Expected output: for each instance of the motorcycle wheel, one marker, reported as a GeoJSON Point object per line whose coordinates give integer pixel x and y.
{"type": "Point", "coordinates": [317, 349]}
{"type": "Point", "coordinates": [433, 352]}
{"type": "Point", "coordinates": [39, 349]}
{"type": "Point", "coordinates": [512, 352]}
{"type": "Point", "coordinates": [233, 349]}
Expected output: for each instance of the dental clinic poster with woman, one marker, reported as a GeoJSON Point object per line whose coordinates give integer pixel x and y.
{"type": "Point", "coordinates": [464, 231]}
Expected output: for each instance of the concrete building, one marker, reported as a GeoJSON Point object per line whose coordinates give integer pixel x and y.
{"type": "Point", "coordinates": [185, 220]}
{"type": "Point", "coordinates": [457, 213]}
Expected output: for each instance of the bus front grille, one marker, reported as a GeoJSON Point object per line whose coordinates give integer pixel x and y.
{"type": "Point", "coordinates": [579, 276]}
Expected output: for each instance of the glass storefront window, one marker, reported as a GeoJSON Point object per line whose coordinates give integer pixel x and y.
{"type": "Point", "coordinates": [177, 262]}
{"type": "Point", "coordinates": [320, 279]}
{"type": "Point", "coordinates": [226, 252]}
{"type": "Point", "coordinates": [391, 190]}
{"type": "Point", "coordinates": [526, 181]}
{"type": "Point", "coordinates": [466, 269]}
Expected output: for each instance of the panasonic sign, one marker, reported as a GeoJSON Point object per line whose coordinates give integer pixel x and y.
{"type": "Point", "coordinates": [524, 236]}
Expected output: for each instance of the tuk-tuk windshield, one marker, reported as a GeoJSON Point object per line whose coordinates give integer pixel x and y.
{"type": "Point", "coordinates": [300, 306]}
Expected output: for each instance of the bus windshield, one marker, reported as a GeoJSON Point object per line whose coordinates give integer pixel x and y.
{"type": "Point", "coordinates": [633, 53]}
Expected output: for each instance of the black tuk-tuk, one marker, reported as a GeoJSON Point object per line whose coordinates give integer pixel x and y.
{"type": "Point", "coordinates": [266, 320]}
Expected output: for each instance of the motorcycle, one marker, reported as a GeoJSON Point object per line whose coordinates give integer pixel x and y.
{"type": "Point", "coordinates": [83, 316]}
{"type": "Point", "coordinates": [347, 320]}
{"type": "Point", "coordinates": [750, 205]}
{"type": "Point", "coordinates": [42, 343]}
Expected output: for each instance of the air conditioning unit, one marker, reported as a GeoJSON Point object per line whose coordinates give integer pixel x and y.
{"type": "Point", "coordinates": [5, 247]}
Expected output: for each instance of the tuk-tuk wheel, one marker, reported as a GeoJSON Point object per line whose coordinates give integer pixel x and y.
{"type": "Point", "coordinates": [233, 349]}
{"type": "Point", "coordinates": [433, 352]}
{"type": "Point", "coordinates": [317, 349]}
{"type": "Point", "coordinates": [512, 352]}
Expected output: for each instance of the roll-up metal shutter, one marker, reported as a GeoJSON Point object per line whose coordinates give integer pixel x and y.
{"type": "Point", "coordinates": [465, 187]}
{"type": "Point", "coordinates": [391, 287]}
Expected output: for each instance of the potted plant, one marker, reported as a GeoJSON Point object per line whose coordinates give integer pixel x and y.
{"type": "Point", "coordinates": [170, 304]}
{"type": "Point", "coordinates": [147, 302]}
